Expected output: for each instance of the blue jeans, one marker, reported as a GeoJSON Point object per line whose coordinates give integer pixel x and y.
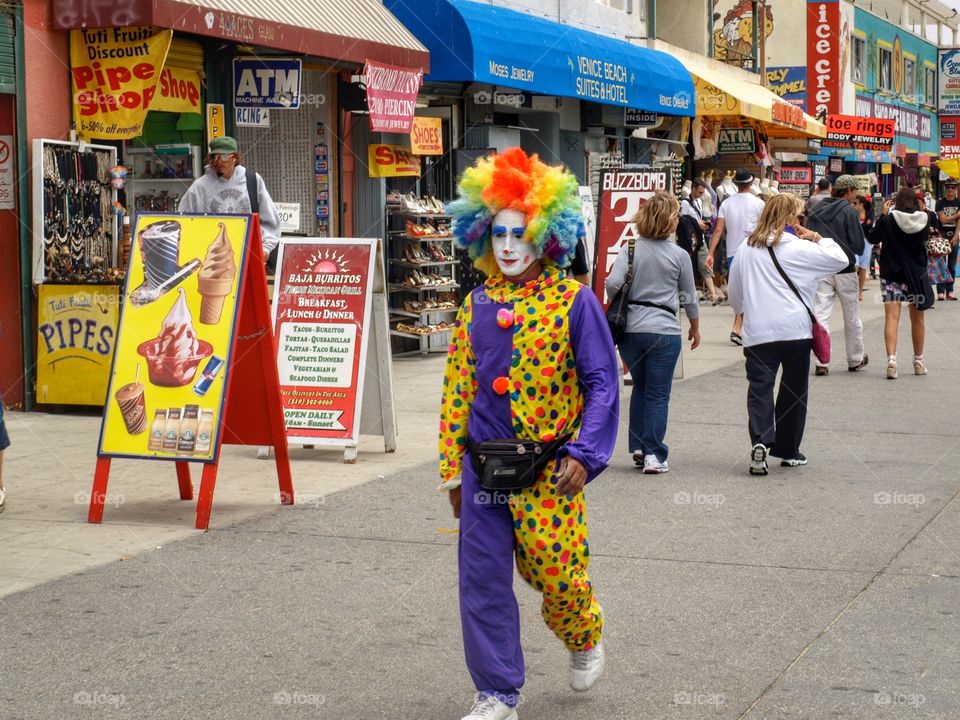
{"type": "Point", "coordinates": [651, 359]}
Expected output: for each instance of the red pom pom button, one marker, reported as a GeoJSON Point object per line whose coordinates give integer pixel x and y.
{"type": "Point", "coordinates": [501, 385]}
{"type": "Point", "coordinates": [504, 318]}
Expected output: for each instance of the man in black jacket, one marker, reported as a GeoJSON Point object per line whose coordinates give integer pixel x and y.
{"type": "Point", "coordinates": [836, 217]}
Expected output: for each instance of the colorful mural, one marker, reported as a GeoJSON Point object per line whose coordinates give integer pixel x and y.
{"type": "Point", "coordinates": [733, 32]}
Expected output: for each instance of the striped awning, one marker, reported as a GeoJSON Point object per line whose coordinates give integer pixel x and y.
{"type": "Point", "coordinates": [345, 31]}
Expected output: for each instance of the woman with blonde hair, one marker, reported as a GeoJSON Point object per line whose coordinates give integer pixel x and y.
{"type": "Point", "coordinates": [662, 281]}
{"type": "Point", "coordinates": [773, 283]}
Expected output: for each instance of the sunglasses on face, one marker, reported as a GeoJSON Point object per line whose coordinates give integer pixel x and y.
{"type": "Point", "coordinates": [222, 156]}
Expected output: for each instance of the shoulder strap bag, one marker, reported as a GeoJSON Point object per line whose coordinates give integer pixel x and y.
{"type": "Point", "coordinates": [821, 338]}
{"type": "Point", "coordinates": [620, 303]}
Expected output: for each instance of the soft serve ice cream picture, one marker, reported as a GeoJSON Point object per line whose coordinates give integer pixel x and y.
{"type": "Point", "coordinates": [175, 343]}
{"type": "Point", "coordinates": [215, 279]}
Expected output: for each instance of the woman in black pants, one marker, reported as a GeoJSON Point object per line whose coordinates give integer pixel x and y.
{"type": "Point", "coordinates": [777, 325]}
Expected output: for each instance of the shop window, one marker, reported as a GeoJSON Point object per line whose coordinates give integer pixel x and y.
{"type": "Point", "coordinates": [858, 68]}
{"type": "Point", "coordinates": [885, 74]}
{"type": "Point", "coordinates": [909, 78]}
{"type": "Point", "coordinates": [930, 86]}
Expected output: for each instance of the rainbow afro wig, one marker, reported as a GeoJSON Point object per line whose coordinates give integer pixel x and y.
{"type": "Point", "coordinates": [545, 194]}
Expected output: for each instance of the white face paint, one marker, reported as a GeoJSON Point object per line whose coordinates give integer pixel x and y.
{"type": "Point", "coordinates": [512, 253]}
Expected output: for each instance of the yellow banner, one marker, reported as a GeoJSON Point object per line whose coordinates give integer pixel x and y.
{"type": "Point", "coordinates": [886, 169]}
{"type": "Point", "coordinates": [115, 74]}
{"type": "Point", "coordinates": [76, 329]}
{"type": "Point", "coordinates": [392, 161]}
{"type": "Point", "coordinates": [426, 136]}
{"type": "Point", "coordinates": [178, 91]}
{"type": "Point", "coordinates": [216, 121]}
{"type": "Point", "coordinates": [176, 337]}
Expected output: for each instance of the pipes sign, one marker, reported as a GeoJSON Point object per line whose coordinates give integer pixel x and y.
{"type": "Point", "coordinates": [823, 57]}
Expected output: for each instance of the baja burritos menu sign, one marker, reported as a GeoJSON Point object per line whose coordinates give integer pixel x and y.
{"type": "Point", "coordinates": [176, 338]}
{"type": "Point", "coordinates": [321, 316]}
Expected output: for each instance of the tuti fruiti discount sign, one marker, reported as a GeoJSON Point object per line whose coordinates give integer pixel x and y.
{"type": "Point", "coordinates": [321, 316]}
{"type": "Point", "coordinates": [115, 73]}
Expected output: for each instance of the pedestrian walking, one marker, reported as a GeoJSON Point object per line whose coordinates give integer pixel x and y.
{"type": "Point", "coordinates": [835, 217]}
{"type": "Point", "coordinates": [773, 284]}
{"type": "Point", "coordinates": [4, 444]}
{"type": "Point", "coordinates": [738, 215]}
{"type": "Point", "coordinates": [227, 187]}
{"type": "Point", "coordinates": [823, 191]}
{"type": "Point", "coordinates": [864, 259]}
{"type": "Point", "coordinates": [662, 283]}
{"type": "Point", "coordinates": [529, 416]}
{"type": "Point", "coordinates": [948, 211]}
{"type": "Point", "coordinates": [901, 235]}
{"type": "Point", "coordinates": [694, 220]}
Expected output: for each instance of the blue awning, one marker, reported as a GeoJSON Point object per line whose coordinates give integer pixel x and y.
{"type": "Point", "coordinates": [475, 42]}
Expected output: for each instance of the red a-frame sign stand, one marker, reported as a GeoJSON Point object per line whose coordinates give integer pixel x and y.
{"type": "Point", "coordinates": [252, 411]}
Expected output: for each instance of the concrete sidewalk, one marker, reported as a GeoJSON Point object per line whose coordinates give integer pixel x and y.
{"type": "Point", "coordinates": [49, 472]}
{"type": "Point", "coordinates": [830, 590]}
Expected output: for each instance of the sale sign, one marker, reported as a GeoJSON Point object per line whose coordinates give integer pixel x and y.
{"type": "Point", "coordinates": [321, 318]}
{"type": "Point", "coordinates": [823, 57]}
{"type": "Point", "coordinates": [391, 96]}
{"type": "Point", "coordinates": [426, 136]}
{"type": "Point", "coordinates": [622, 193]}
{"type": "Point", "coordinates": [115, 72]}
{"type": "Point", "coordinates": [392, 161]}
{"type": "Point", "coordinates": [859, 133]}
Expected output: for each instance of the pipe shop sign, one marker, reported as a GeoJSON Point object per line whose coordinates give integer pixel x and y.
{"type": "Point", "coordinates": [391, 96]}
{"type": "Point", "coordinates": [115, 74]}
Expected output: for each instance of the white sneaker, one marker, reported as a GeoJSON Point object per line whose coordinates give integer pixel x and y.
{"type": "Point", "coordinates": [490, 708]}
{"type": "Point", "coordinates": [652, 466]}
{"type": "Point", "coordinates": [586, 666]}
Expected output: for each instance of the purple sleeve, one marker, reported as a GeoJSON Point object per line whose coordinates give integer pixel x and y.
{"type": "Point", "coordinates": [597, 373]}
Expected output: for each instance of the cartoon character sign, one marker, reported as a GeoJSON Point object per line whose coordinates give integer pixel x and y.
{"type": "Point", "coordinates": [733, 34]}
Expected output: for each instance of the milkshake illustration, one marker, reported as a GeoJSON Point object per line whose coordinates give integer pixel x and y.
{"type": "Point", "coordinates": [174, 355]}
{"type": "Point", "coordinates": [132, 408]}
{"type": "Point", "coordinates": [216, 277]}
{"type": "Point", "coordinates": [160, 251]}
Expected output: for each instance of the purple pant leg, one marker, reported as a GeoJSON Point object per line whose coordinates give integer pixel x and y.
{"type": "Point", "coordinates": [488, 608]}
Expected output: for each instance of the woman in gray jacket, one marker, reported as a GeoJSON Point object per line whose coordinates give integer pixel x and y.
{"type": "Point", "coordinates": [662, 282]}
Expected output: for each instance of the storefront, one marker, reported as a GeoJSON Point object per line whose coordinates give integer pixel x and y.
{"type": "Point", "coordinates": [509, 79]}
{"type": "Point", "coordinates": [269, 75]}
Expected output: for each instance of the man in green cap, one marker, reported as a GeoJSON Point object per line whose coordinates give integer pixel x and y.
{"type": "Point", "coordinates": [226, 188]}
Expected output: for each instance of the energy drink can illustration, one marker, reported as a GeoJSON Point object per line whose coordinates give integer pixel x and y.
{"type": "Point", "coordinates": [214, 364]}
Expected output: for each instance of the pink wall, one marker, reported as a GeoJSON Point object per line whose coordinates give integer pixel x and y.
{"type": "Point", "coordinates": [48, 74]}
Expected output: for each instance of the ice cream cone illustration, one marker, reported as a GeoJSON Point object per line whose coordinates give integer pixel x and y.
{"type": "Point", "coordinates": [216, 277]}
{"type": "Point", "coordinates": [173, 356]}
{"type": "Point", "coordinates": [160, 250]}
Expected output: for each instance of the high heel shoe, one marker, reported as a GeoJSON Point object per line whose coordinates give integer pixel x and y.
{"type": "Point", "coordinates": [918, 367]}
{"type": "Point", "coordinates": [892, 369]}
{"type": "Point", "coordinates": [414, 230]}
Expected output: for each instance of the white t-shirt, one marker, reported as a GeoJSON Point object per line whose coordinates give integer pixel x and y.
{"type": "Point", "coordinates": [740, 213]}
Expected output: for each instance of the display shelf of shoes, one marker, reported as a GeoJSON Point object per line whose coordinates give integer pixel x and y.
{"type": "Point", "coordinates": [412, 258]}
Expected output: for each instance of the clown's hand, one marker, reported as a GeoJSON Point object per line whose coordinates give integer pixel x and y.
{"type": "Point", "coordinates": [571, 478]}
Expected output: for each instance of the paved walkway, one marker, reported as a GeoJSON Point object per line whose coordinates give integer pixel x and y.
{"type": "Point", "coordinates": [825, 591]}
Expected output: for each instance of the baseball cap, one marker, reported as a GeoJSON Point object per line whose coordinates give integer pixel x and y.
{"type": "Point", "coordinates": [225, 144]}
{"type": "Point", "coordinates": [845, 182]}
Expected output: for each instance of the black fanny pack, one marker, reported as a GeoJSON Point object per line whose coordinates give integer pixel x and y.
{"type": "Point", "coordinates": [512, 464]}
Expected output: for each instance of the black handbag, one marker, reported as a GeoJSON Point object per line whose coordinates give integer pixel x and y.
{"type": "Point", "coordinates": [620, 303]}
{"type": "Point", "coordinates": [511, 463]}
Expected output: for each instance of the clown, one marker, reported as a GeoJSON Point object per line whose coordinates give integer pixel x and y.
{"type": "Point", "coordinates": [530, 359]}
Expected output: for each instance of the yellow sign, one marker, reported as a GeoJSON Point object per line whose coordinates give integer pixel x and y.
{"type": "Point", "coordinates": [76, 328]}
{"type": "Point", "coordinates": [886, 169]}
{"type": "Point", "coordinates": [426, 136]}
{"type": "Point", "coordinates": [176, 337]}
{"type": "Point", "coordinates": [178, 91]}
{"type": "Point", "coordinates": [115, 74]}
{"type": "Point", "coordinates": [216, 116]}
{"type": "Point", "coordinates": [392, 161]}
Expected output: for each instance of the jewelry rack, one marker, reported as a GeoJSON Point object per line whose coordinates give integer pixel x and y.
{"type": "Point", "coordinates": [75, 229]}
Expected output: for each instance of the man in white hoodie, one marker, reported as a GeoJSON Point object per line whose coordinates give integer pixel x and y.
{"type": "Point", "coordinates": [224, 189]}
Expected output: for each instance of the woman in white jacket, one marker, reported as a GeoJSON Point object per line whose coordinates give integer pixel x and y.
{"type": "Point", "coordinates": [777, 329]}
